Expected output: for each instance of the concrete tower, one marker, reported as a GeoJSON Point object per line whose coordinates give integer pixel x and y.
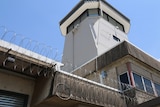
{"type": "Point", "coordinates": [90, 29]}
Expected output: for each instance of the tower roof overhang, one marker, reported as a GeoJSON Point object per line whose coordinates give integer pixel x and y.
{"type": "Point", "coordinates": [92, 4]}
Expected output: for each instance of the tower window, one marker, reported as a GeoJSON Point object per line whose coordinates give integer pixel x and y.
{"type": "Point", "coordinates": [83, 16]}
{"type": "Point", "coordinates": [113, 21]}
{"type": "Point", "coordinates": [105, 16]}
{"type": "Point", "coordinates": [93, 12]}
{"type": "Point", "coordinates": [116, 38]}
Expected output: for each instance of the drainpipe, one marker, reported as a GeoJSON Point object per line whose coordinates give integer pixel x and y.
{"type": "Point", "coordinates": [52, 84]}
{"type": "Point", "coordinates": [128, 64]}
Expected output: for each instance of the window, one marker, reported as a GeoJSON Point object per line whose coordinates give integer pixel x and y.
{"type": "Point", "coordinates": [76, 22]}
{"type": "Point", "coordinates": [104, 74]}
{"type": "Point", "coordinates": [148, 86]}
{"type": "Point", "coordinates": [69, 28]}
{"type": "Point", "coordinates": [143, 83]}
{"type": "Point", "coordinates": [124, 80]}
{"type": "Point", "coordinates": [112, 21]}
{"type": "Point", "coordinates": [138, 81]}
{"type": "Point", "coordinates": [120, 26]}
{"type": "Point", "coordinates": [105, 16]}
{"type": "Point", "coordinates": [11, 99]}
{"type": "Point", "coordinates": [115, 23]}
{"type": "Point", "coordinates": [116, 38]}
{"type": "Point", "coordinates": [83, 16]}
{"type": "Point", "coordinates": [93, 12]}
{"type": "Point", "coordinates": [157, 88]}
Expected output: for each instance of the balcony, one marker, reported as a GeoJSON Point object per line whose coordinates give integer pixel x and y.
{"type": "Point", "coordinates": [68, 90]}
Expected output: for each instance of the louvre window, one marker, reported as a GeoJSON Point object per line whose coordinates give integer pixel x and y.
{"type": "Point", "coordinates": [11, 99]}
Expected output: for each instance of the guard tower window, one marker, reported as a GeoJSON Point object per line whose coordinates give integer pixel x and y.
{"type": "Point", "coordinates": [105, 16]}
{"type": "Point", "coordinates": [83, 16]}
{"type": "Point", "coordinates": [120, 26]}
{"type": "Point", "coordinates": [93, 12]}
{"type": "Point", "coordinates": [116, 38]}
{"type": "Point", "coordinates": [112, 21]}
{"type": "Point", "coordinates": [70, 27]}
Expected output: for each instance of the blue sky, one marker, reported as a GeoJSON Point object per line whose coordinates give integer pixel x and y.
{"type": "Point", "coordinates": [39, 20]}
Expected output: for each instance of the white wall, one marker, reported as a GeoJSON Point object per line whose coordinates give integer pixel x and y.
{"type": "Point", "coordinates": [105, 31]}
{"type": "Point", "coordinates": [92, 37]}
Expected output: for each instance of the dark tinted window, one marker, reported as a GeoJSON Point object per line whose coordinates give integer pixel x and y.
{"type": "Point", "coordinates": [124, 80]}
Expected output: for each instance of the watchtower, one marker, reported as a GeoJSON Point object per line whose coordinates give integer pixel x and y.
{"type": "Point", "coordinates": [91, 28]}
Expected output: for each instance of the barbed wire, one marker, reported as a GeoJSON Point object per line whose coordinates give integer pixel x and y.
{"type": "Point", "coordinates": [25, 46]}
{"type": "Point", "coordinates": [27, 43]}
{"type": "Point", "coordinates": [23, 42]}
{"type": "Point", "coordinates": [145, 95]}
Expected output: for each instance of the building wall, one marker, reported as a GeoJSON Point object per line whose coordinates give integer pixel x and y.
{"type": "Point", "coordinates": [16, 83]}
{"type": "Point", "coordinates": [79, 46]}
{"type": "Point", "coordinates": [104, 35]}
{"type": "Point", "coordinates": [91, 38]}
{"type": "Point", "coordinates": [149, 73]}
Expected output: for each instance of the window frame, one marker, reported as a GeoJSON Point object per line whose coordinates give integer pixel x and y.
{"type": "Point", "coordinates": [92, 13]}
{"type": "Point", "coordinates": [122, 82]}
{"type": "Point", "coordinates": [86, 13]}
{"type": "Point", "coordinates": [141, 81]}
{"type": "Point", "coordinates": [145, 89]}
{"type": "Point", "coordinates": [157, 93]}
{"type": "Point", "coordinates": [146, 86]}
